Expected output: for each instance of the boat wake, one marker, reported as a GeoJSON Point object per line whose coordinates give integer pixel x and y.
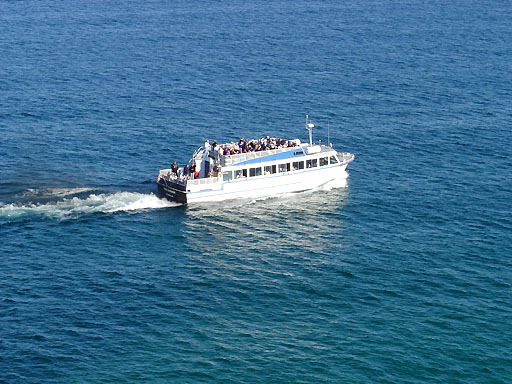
{"type": "Point", "coordinates": [51, 192]}
{"type": "Point", "coordinates": [86, 202]}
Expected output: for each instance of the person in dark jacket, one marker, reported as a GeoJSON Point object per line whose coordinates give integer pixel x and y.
{"type": "Point", "coordinates": [193, 170]}
{"type": "Point", "coordinates": [174, 168]}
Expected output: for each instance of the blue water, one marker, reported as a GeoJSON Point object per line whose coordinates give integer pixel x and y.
{"type": "Point", "coordinates": [403, 275]}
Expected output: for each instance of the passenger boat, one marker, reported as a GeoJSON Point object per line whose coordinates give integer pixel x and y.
{"type": "Point", "coordinates": [253, 168]}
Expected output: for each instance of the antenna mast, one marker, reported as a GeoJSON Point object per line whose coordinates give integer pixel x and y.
{"type": "Point", "coordinates": [309, 127]}
{"type": "Point", "coordinates": [328, 135]}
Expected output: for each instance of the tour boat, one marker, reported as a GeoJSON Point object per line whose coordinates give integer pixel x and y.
{"type": "Point", "coordinates": [268, 166]}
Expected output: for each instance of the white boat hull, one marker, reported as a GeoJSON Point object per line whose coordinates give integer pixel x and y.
{"type": "Point", "coordinates": [269, 185]}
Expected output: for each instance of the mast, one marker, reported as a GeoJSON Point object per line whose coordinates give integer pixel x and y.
{"type": "Point", "coordinates": [309, 127]}
{"type": "Point", "coordinates": [328, 135]}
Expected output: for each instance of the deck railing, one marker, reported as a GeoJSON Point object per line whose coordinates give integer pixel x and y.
{"type": "Point", "coordinates": [345, 157]}
{"type": "Point", "coordinates": [203, 181]}
{"type": "Point", "coordinates": [226, 160]}
{"type": "Point", "coordinates": [166, 174]}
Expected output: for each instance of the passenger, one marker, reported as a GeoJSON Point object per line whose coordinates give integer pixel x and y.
{"type": "Point", "coordinates": [207, 145]}
{"type": "Point", "coordinates": [193, 170]}
{"type": "Point", "coordinates": [174, 168]}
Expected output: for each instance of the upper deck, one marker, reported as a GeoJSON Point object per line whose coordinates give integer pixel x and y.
{"type": "Point", "coordinates": [272, 155]}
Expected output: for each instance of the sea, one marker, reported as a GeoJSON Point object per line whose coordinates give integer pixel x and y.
{"type": "Point", "coordinates": [402, 273]}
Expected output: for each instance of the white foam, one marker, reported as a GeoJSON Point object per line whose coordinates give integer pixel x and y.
{"type": "Point", "coordinates": [72, 207]}
{"type": "Point", "coordinates": [333, 184]}
{"type": "Point", "coordinates": [52, 192]}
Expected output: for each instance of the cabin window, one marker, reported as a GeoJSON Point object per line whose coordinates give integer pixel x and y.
{"type": "Point", "coordinates": [311, 163]}
{"type": "Point", "coordinates": [255, 172]}
{"type": "Point", "coordinates": [297, 153]}
{"type": "Point", "coordinates": [324, 161]}
{"type": "Point", "coordinates": [226, 176]}
{"type": "Point", "coordinates": [244, 172]}
{"type": "Point", "coordinates": [240, 173]}
{"type": "Point", "coordinates": [298, 165]}
{"type": "Point", "coordinates": [284, 167]}
{"type": "Point", "coordinates": [334, 160]}
{"type": "Point", "coordinates": [269, 169]}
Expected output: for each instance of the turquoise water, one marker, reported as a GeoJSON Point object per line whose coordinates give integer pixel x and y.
{"type": "Point", "coordinates": [401, 275]}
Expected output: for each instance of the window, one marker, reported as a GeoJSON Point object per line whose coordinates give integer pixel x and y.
{"type": "Point", "coordinates": [297, 153]}
{"type": "Point", "coordinates": [226, 176]}
{"type": "Point", "coordinates": [240, 173]}
{"type": "Point", "coordinates": [255, 172]}
{"type": "Point", "coordinates": [270, 169]}
{"type": "Point", "coordinates": [311, 163]}
{"type": "Point", "coordinates": [324, 161]}
{"type": "Point", "coordinates": [284, 167]}
{"type": "Point", "coordinates": [298, 165]}
{"type": "Point", "coordinates": [334, 160]}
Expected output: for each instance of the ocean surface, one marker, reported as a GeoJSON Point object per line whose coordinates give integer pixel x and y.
{"type": "Point", "coordinates": [403, 274]}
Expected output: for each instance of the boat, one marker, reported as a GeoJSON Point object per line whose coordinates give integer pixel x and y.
{"type": "Point", "coordinates": [268, 166]}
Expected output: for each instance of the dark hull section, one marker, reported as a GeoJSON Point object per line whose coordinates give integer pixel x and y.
{"type": "Point", "coordinates": [172, 191]}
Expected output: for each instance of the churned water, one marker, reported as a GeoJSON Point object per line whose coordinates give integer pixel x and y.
{"type": "Point", "coordinates": [401, 275]}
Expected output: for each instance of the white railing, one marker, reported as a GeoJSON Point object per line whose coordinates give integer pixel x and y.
{"type": "Point", "coordinates": [226, 160]}
{"type": "Point", "coordinates": [164, 174]}
{"type": "Point", "coordinates": [207, 180]}
{"type": "Point", "coordinates": [168, 175]}
{"type": "Point", "coordinates": [345, 157]}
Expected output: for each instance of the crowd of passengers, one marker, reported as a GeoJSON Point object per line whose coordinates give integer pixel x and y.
{"type": "Point", "coordinates": [246, 146]}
